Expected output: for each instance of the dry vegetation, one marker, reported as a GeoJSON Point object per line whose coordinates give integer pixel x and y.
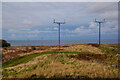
{"type": "Point", "coordinates": [83, 47]}
{"type": "Point", "coordinates": [73, 61]}
{"type": "Point", "coordinates": [60, 65]}
{"type": "Point", "coordinates": [14, 52]}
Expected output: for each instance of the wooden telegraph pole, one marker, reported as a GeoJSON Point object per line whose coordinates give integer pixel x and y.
{"type": "Point", "coordinates": [100, 28]}
{"type": "Point", "coordinates": [59, 30]}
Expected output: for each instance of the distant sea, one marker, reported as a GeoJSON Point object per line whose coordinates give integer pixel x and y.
{"type": "Point", "coordinates": [55, 42]}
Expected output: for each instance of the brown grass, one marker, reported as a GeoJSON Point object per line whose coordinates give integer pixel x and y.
{"type": "Point", "coordinates": [50, 66]}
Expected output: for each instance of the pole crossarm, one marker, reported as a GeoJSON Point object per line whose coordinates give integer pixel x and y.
{"type": "Point", "coordinates": [100, 21]}
{"type": "Point", "coordinates": [59, 22]}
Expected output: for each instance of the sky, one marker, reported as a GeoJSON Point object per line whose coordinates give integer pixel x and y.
{"type": "Point", "coordinates": [34, 20]}
{"type": "Point", "coordinates": [59, 0]}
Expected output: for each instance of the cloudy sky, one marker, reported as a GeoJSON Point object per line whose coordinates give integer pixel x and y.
{"type": "Point", "coordinates": [34, 20]}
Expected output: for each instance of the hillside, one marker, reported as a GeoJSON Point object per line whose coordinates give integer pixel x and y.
{"type": "Point", "coordinates": [73, 61]}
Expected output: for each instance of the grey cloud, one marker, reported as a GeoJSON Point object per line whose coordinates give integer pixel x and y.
{"type": "Point", "coordinates": [108, 10]}
{"type": "Point", "coordinates": [16, 13]}
{"type": "Point", "coordinates": [30, 16]}
{"type": "Point", "coordinates": [110, 15]}
{"type": "Point", "coordinates": [102, 7]}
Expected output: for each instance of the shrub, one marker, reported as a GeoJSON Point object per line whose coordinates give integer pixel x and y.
{"type": "Point", "coordinates": [4, 43]}
{"type": "Point", "coordinates": [33, 48]}
{"type": "Point", "coordinates": [5, 48]}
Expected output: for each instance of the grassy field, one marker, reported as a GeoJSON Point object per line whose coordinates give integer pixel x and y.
{"type": "Point", "coordinates": [73, 61]}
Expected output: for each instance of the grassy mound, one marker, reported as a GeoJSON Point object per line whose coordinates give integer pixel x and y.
{"type": "Point", "coordinates": [75, 61]}
{"type": "Point", "coordinates": [60, 65]}
{"type": "Point", "coordinates": [27, 58]}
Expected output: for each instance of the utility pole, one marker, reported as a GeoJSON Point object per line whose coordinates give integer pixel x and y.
{"type": "Point", "coordinates": [59, 29]}
{"type": "Point", "coordinates": [99, 28]}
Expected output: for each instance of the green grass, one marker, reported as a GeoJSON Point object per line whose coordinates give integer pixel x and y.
{"type": "Point", "coordinates": [107, 50]}
{"type": "Point", "coordinates": [22, 59]}
{"type": "Point", "coordinates": [27, 58]}
{"type": "Point", "coordinates": [114, 46]}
